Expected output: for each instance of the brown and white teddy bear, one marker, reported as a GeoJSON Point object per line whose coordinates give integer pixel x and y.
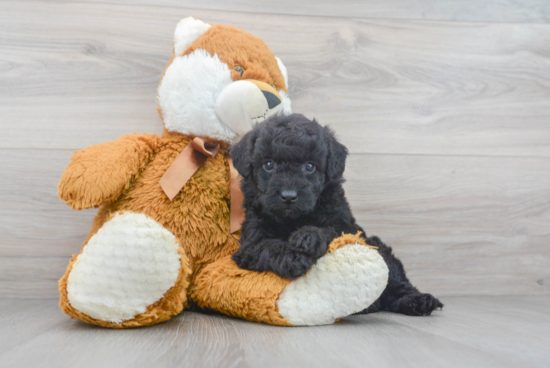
{"type": "Point", "coordinates": [158, 244]}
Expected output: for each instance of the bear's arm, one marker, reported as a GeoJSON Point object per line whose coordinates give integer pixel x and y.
{"type": "Point", "coordinates": [102, 172]}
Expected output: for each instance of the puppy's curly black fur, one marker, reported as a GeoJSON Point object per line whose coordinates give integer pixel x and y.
{"type": "Point", "coordinates": [295, 206]}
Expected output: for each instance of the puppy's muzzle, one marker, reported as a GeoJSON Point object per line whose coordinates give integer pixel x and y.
{"type": "Point", "coordinates": [244, 103]}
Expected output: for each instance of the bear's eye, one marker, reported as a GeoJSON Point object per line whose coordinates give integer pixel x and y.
{"type": "Point", "coordinates": [309, 167]}
{"type": "Point", "coordinates": [269, 166]}
{"type": "Point", "coordinates": [239, 69]}
{"type": "Point", "coordinates": [273, 86]}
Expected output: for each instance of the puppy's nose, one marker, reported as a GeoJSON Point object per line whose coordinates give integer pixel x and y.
{"type": "Point", "coordinates": [289, 196]}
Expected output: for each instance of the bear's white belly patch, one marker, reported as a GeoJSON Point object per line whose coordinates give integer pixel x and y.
{"type": "Point", "coordinates": [126, 266]}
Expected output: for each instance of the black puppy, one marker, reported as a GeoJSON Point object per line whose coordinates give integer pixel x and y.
{"type": "Point", "coordinates": [295, 206]}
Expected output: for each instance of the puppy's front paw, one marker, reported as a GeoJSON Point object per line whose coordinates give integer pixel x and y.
{"type": "Point", "coordinates": [310, 241]}
{"type": "Point", "coordinates": [294, 265]}
{"type": "Point", "coordinates": [306, 246]}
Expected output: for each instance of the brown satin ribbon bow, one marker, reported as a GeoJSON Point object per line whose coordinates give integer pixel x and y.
{"type": "Point", "coordinates": [193, 156]}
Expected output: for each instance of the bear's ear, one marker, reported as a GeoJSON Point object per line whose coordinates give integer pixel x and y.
{"type": "Point", "coordinates": [282, 67]}
{"type": "Point", "coordinates": [287, 109]}
{"type": "Point", "coordinates": [187, 31]}
{"type": "Point", "coordinates": [242, 153]}
{"type": "Point", "coordinates": [337, 153]}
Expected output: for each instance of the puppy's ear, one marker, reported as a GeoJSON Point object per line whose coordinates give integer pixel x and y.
{"type": "Point", "coordinates": [337, 153]}
{"type": "Point", "coordinates": [241, 152]}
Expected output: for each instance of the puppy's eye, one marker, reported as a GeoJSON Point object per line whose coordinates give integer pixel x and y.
{"type": "Point", "coordinates": [269, 166]}
{"type": "Point", "coordinates": [239, 69]}
{"type": "Point", "coordinates": [309, 167]}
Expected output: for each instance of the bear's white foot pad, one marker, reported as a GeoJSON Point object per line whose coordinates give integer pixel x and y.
{"type": "Point", "coordinates": [126, 266]}
{"type": "Point", "coordinates": [340, 284]}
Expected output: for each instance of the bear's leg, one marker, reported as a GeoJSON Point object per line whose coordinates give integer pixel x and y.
{"type": "Point", "coordinates": [131, 273]}
{"type": "Point", "coordinates": [349, 278]}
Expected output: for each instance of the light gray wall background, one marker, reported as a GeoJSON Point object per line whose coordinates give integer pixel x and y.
{"type": "Point", "coordinates": [444, 106]}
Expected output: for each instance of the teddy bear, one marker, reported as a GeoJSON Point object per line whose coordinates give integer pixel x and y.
{"type": "Point", "coordinates": [168, 215]}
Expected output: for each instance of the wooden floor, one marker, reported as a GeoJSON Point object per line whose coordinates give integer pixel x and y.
{"type": "Point", "coordinates": [470, 332]}
{"type": "Point", "coordinates": [443, 104]}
